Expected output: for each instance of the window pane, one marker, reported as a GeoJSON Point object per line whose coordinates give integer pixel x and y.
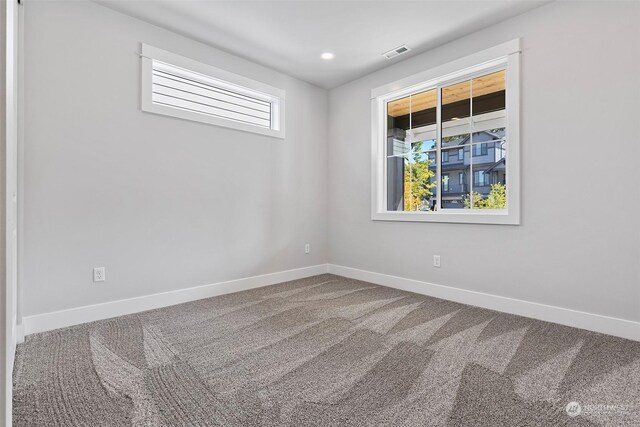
{"type": "Point", "coordinates": [456, 133]}
{"type": "Point", "coordinates": [488, 142]}
{"type": "Point", "coordinates": [455, 101]}
{"type": "Point", "coordinates": [397, 153]}
{"type": "Point", "coordinates": [423, 109]}
{"type": "Point", "coordinates": [489, 93]}
{"type": "Point", "coordinates": [456, 111]}
{"type": "Point", "coordinates": [455, 178]}
{"type": "Point", "coordinates": [411, 152]}
{"type": "Point", "coordinates": [420, 179]}
{"type": "Point", "coordinates": [489, 179]}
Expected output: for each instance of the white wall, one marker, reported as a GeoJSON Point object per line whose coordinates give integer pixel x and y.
{"type": "Point", "coordinates": [9, 18]}
{"type": "Point", "coordinates": [4, 341]}
{"type": "Point", "coordinates": [162, 203]}
{"type": "Point", "coordinates": [579, 243]}
{"type": "Point", "coordinates": [167, 204]}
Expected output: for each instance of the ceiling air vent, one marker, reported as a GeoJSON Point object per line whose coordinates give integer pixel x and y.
{"type": "Point", "coordinates": [395, 52]}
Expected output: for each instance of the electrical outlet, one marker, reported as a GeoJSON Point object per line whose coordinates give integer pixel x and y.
{"type": "Point", "coordinates": [436, 261]}
{"type": "Point", "coordinates": [307, 248]}
{"type": "Point", "coordinates": [99, 274]}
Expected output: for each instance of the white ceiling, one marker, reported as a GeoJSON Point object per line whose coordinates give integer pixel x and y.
{"type": "Point", "coordinates": [289, 36]}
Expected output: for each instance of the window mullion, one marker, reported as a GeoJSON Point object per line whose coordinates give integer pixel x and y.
{"type": "Point", "coordinates": [438, 149]}
{"type": "Point", "coordinates": [408, 137]}
{"type": "Point", "coordinates": [471, 146]}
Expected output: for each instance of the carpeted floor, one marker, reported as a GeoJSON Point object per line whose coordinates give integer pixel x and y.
{"type": "Point", "coordinates": [325, 351]}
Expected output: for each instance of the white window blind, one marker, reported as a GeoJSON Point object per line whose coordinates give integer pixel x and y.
{"type": "Point", "coordinates": [180, 87]}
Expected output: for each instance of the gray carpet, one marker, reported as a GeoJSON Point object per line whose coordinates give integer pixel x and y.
{"type": "Point", "coordinates": [325, 351]}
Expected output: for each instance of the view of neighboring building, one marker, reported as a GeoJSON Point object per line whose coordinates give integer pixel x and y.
{"type": "Point", "coordinates": [488, 166]}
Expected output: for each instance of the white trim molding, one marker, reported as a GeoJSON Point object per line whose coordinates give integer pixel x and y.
{"type": "Point", "coordinates": [90, 313]}
{"type": "Point", "coordinates": [578, 319]}
{"type": "Point", "coordinates": [19, 334]}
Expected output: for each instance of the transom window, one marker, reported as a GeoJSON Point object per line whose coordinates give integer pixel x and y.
{"type": "Point", "coordinates": [173, 85]}
{"type": "Point", "coordinates": [472, 110]}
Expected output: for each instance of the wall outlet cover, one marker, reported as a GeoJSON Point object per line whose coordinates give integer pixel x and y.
{"type": "Point", "coordinates": [99, 274]}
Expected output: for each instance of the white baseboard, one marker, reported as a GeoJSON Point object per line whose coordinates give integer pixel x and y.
{"type": "Point", "coordinates": [579, 319]}
{"type": "Point", "coordinates": [89, 313]}
{"type": "Point", "coordinates": [19, 334]}
{"type": "Point", "coordinates": [564, 316]}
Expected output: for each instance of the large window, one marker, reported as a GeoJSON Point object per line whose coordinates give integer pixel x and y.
{"type": "Point", "coordinates": [469, 108]}
{"type": "Point", "coordinates": [176, 86]}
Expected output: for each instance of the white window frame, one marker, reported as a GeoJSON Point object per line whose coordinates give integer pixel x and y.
{"type": "Point", "coordinates": [502, 57]}
{"type": "Point", "coordinates": [236, 82]}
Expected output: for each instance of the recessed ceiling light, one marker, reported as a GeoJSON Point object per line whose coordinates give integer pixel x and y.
{"type": "Point", "coordinates": [327, 56]}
